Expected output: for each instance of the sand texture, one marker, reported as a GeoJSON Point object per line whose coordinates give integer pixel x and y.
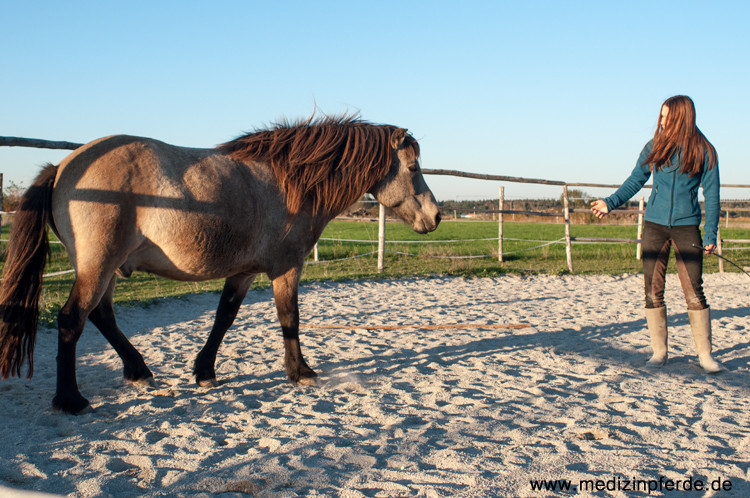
{"type": "Point", "coordinates": [413, 409]}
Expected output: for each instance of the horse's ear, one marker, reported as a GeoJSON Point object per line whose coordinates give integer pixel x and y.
{"type": "Point", "coordinates": [397, 137]}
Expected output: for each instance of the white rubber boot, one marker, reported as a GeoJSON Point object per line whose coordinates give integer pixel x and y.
{"type": "Point", "coordinates": [700, 323]}
{"type": "Point", "coordinates": [656, 318]}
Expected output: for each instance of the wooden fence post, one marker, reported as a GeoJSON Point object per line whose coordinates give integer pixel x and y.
{"type": "Point", "coordinates": [566, 216]}
{"type": "Point", "coordinates": [381, 238]}
{"type": "Point", "coordinates": [2, 199]}
{"type": "Point", "coordinates": [719, 249]}
{"type": "Point", "coordinates": [500, 225]}
{"type": "Point", "coordinates": [639, 245]}
{"type": "Point", "coordinates": [315, 253]}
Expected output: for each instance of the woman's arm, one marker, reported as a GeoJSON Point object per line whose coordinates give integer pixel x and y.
{"type": "Point", "coordinates": [710, 183]}
{"type": "Point", "coordinates": [635, 182]}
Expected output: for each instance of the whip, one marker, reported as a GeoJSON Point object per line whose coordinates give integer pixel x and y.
{"type": "Point", "coordinates": [725, 259]}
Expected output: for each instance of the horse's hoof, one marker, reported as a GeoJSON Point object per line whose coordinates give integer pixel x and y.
{"type": "Point", "coordinates": [208, 383]}
{"type": "Point", "coordinates": [86, 409]}
{"type": "Point", "coordinates": [308, 381]}
{"type": "Point", "coordinates": [145, 383]}
{"type": "Point", "coordinates": [74, 406]}
{"type": "Point", "coordinates": [656, 362]}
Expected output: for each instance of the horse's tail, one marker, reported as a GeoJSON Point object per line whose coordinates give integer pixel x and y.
{"type": "Point", "coordinates": [21, 286]}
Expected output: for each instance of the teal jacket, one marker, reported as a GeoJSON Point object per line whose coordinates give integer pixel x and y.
{"type": "Point", "coordinates": [674, 197]}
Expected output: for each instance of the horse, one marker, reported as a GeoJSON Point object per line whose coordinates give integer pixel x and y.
{"type": "Point", "coordinates": [256, 204]}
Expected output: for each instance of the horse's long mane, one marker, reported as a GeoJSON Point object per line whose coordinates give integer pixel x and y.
{"type": "Point", "coordinates": [330, 161]}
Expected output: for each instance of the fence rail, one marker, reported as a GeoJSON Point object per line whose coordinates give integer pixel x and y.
{"type": "Point", "coordinates": [517, 179]}
{"type": "Point", "coordinates": [37, 143]}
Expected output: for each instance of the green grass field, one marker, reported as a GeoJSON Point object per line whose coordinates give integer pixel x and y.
{"type": "Point", "coordinates": [524, 249]}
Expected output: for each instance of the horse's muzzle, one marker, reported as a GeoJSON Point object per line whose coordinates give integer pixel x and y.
{"type": "Point", "coordinates": [425, 223]}
{"type": "Point", "coordinates": [420, 211]}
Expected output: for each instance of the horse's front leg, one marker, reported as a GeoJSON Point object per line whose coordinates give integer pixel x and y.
{"type": "Point", "coordinates": [235, 290]}
{"type": "Point", "coordinates": [285, 292]}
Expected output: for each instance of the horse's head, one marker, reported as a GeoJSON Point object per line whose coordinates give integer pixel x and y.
{"type": "Point", "coordinates": [404, 190]}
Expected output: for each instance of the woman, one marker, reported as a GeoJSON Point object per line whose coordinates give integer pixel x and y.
{"type": "Point", "coordinates": [681, 159]}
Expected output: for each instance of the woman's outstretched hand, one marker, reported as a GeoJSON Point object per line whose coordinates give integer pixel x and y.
{"type": "Point", "coordinates": [599, 208]}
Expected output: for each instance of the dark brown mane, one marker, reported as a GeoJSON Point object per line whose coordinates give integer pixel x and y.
{"type": "Point", "coordinates": [331, 161]}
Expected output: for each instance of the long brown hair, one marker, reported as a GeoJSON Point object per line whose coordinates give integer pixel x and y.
{"type": "Point", "coordinates": [330, 161]}
{"type": "Point", "coordinates": [680, 134]}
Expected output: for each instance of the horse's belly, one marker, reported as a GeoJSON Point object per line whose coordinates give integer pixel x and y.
{"type": "Point", "coordinates": [186, 263]}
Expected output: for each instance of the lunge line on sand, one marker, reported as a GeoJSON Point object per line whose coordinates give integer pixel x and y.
{"type": "Point", "coordinates": [422, 327]}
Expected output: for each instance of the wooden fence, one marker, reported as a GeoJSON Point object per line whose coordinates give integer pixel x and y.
{"type": "Point", "coordinates": [565, 213]}
{"type": "Point", "coordinates": [566, 210]}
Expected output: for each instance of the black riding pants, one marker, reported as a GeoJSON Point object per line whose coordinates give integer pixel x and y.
{"type": "Point", "coordinates": [657, 242]}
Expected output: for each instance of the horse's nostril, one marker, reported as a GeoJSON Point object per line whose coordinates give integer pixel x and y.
{"type": "Point", "coordinates": [438, 218]}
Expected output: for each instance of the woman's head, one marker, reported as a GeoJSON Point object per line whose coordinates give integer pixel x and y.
{"type": "Point", "coordinates": [676, 131]}
{"type": "Point", "coordinates": [677, 115]}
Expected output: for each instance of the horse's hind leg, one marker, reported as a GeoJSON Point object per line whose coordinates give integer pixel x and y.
{"type": "Point", "coordinates": [103, 316]}
{"type": "Point", "coordinates": [84, 297]}
{"type": "Point", "coordinates": [285, 292]}
{"type": "Point", "coordinates": [235, 289]}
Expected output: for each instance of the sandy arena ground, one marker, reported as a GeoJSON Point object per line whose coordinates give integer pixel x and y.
{"type": "Point", "coordinates": [402, 412]}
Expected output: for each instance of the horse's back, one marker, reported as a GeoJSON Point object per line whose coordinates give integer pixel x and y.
{"type": "Point", "coordinates": [126, 163]}
{"type": "Point", "coordinates": [138, 203]}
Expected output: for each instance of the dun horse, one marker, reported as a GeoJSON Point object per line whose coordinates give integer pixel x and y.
{"type": "Point", "coordinates": [255, 204]}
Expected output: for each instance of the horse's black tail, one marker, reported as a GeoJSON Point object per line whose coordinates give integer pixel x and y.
{"type": "Point", "coordinates": [21, 287]}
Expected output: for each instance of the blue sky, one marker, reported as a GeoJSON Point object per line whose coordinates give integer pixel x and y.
{"type": "Point", "coordinates": [562, 90]}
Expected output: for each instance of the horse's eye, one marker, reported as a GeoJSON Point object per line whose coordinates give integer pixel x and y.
{"type": "Point", "coordinates": [414, 167]}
